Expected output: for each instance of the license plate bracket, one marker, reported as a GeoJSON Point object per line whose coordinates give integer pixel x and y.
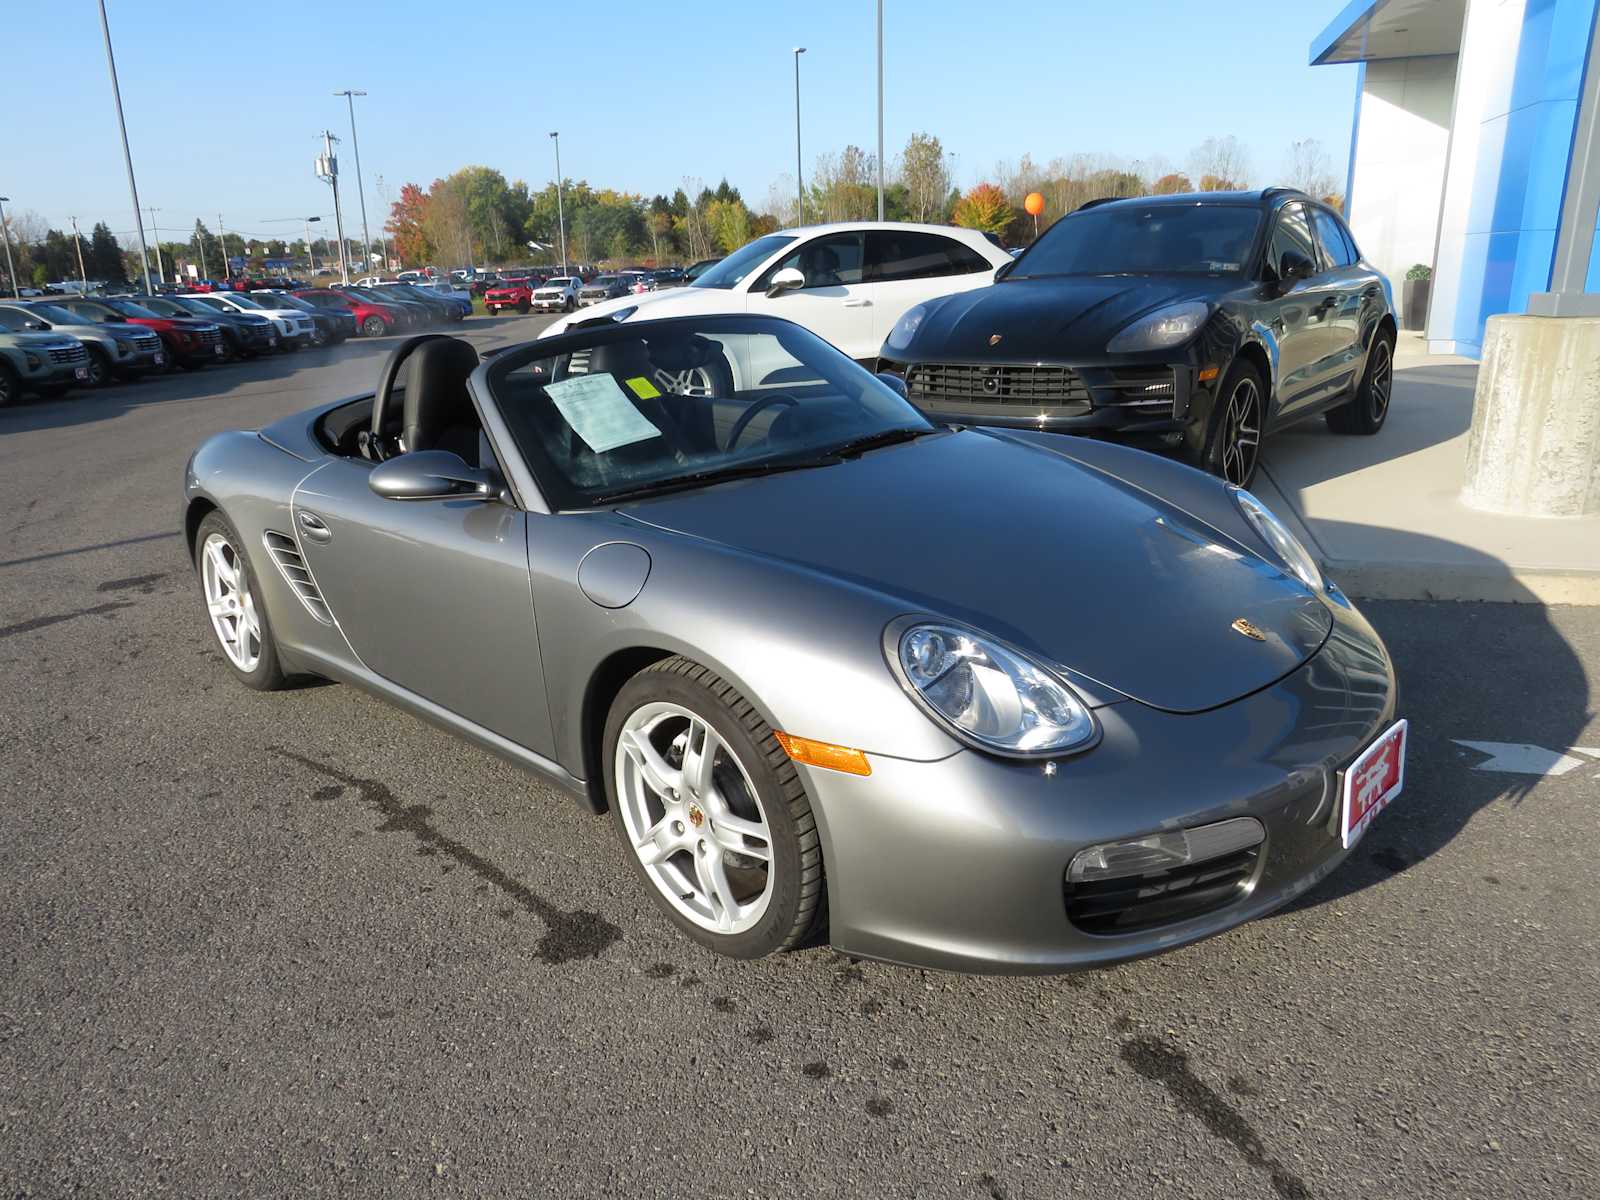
{"type": "Point", "coordinates": [1371, 782]}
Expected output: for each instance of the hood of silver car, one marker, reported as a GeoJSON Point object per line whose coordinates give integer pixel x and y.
{"type": "Point", "coordinates": [1076, 568]}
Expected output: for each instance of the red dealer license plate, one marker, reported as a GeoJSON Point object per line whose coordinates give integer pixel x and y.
{"type": "Point", "coordinates": [1371, 782]}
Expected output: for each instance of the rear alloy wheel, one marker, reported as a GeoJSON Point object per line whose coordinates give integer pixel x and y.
{"type": "Point", "coordinates": [99, 367]}
{"type": "Point", "coordinates": [1369, 407]}
{"type": "Point", "coordinates": [1233, 445]}
{"type": "Point", "coordinates": [237, 618]}
{"type": "Point", "coordinates": [374, 327]}
{"type": "Point", "coordinates": [713, 813]}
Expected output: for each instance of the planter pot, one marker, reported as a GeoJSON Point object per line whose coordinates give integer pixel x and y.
{"type": "Point", "coordinates": [1414, 302]}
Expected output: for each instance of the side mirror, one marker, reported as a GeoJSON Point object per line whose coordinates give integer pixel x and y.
{"type": "Point", "coordinates": [786, 280]}
{"type": "Point", "coordinates": [34, 325]}
{"type": "Point", "coordinates": [894, 383]}
{"type": "Point", "coordinates": [1295, 266]}
{"type": "Point", "coordinates": [432, 475]}
{"type": "Point", "coordinates": [1003, 270]}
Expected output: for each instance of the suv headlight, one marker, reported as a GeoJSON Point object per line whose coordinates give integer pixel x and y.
{"type": "Point", "coordinates": [1286, 548]}
{"type": "Point", "coordinates": [123, 346]}
{"type": "Point", "coordinates": [33, 360]}
{"type": "Point", "coordinates": [906, 327]}
{"type": "Point", "coordinates": [1169, 326]}
{"type": "Point", "coordinates": [985, 693]}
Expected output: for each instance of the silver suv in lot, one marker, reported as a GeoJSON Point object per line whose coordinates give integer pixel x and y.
{"type": "Point", "coordinates": [47, 363]}
{"type": "Point", "coordinates": [557, 295]}
{"type": "Point", "coordinates": [116, 349]}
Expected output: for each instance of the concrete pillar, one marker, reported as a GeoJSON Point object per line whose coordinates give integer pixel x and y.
{"type": "Point", "coordinates": [1534, 449]}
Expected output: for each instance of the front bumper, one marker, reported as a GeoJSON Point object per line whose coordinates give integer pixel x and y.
{"type": "Point", "coordinates": [549, 304]}
{"type": "Point", "coordinates": [960, 864]}
{"type": "Point", "coordinates": [49, 373]}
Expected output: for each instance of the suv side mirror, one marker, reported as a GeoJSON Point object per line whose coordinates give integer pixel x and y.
{"type": "Point", "coordinates": [432, 475]}
{"type": "Point", "coordinates": [894, 383]}
{"type": "Point", "coordinates": [1295, 265]}
{"type": "Point", "coordinates": [786, 280]}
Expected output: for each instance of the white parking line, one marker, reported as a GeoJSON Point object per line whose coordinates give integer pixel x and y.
{"type": "Point", "coordinates": [1521, 758]}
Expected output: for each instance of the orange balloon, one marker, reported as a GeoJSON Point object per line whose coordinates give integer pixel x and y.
{"type": "Point", "coordinates": [1034, 203]}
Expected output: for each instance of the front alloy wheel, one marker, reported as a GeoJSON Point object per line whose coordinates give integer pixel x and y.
{"type": "Point", "coordinates": [713, 813]}
{"type": "Point", "coordinates": [232, 603]}
{"type": "Point", "coordinates": [1233, 449]}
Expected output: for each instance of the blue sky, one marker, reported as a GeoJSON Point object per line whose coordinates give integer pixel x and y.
{"type": "Point", "coordinates": [225, 102]}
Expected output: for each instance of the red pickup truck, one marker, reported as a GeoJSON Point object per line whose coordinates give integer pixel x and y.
{"type": "Point", "coordinates": [510, 293]}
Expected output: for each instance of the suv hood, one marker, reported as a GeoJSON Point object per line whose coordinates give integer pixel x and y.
{"type": "Point", "coordinates": [1076, 567]}
{"type": "Point", "coordinates": [1045, 319]}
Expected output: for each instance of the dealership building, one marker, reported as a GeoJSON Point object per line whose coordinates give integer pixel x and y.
{"type": "Point", "coordinates": [1476, 151]}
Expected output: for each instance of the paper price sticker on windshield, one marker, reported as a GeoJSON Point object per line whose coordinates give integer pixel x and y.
{"type": "Point", "coordinates": [600, 412]}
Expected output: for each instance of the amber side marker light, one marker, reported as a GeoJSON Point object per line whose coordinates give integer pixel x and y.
{"type": "Point", "coordinates": [1207, 374]}
{"type": "Point", "coordinates": [824, 754]}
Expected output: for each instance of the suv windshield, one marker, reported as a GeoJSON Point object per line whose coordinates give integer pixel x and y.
{"type": "Point", "coordinates": [55, 314]}
{"type": "Point", "coordinates": [242, 300]}
{"type": "Point", "coordinates": [603, 281]}
{"type": "Point", "coordinates": [560, 281]}
{"type": "Point", "coordinates": [625, 411]}
{"type": "Point", "coordinates": [129, 309]}
{"type": "Point", "coordinates": [729, 271]}
{"type": "Point", "coordinates": [1145, 239]}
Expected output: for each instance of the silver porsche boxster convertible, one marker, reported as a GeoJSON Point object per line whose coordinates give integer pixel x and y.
{"type": "Point", "coordinates": [966, 698]}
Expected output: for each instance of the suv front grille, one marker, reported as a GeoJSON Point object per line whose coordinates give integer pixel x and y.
{"type": "Point", "coordinates": [68, 354]}
{"type": "Point", "coordinates": [209, 337]}
{"type": "Point", "coordinates": [1136, 902]}
{"type": "Point", "coordinates": [1006, 384]}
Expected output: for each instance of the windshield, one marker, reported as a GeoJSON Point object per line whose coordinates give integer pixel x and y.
{"type": "Point", "coordinates": [729, 271]}
{"type": "Point", "coordinates": [277, 301]}
{"type": "Point", "coordinates": [241, 300]}
{"type": "Point", "coordinates": [628, 410]}
{"type": "Point", "coordinates": [1145, 239]}
{"type": "Point", "coordinates": [560, 281]}
{"type": "Point", "coordinates": [603, 281]}
{"type": "Point", "coordinates": [193, 307]}
{"type": "Point", "coordinates": [129, 309]}
{"type": "Point", "coordinates": [165, 307]}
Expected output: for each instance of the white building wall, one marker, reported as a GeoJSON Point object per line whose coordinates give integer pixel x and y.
{"type": "Point", "coordinates": [1398, 173]}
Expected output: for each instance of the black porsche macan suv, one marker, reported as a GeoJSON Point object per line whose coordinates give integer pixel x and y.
{"type": "Point", "coordinates": [1199, 322]}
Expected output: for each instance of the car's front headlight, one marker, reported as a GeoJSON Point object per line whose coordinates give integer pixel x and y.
{"type": "Point", "coordinates": [122, 346]}
{"type": "Point", "coordinates": [985, 693]}
{"type": "Point", "coordinates": [33, 360]}
{"type": "Point", "coordinates": [906, 327]}
{"type": "Point", "coordinates": [1166, 327]}
{"type": "Point", "coordinates": [1287, 548]}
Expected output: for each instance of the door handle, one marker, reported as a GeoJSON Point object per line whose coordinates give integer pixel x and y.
{"type": "Point", "coordinates": [858, 303]}
{"type": "Point", "coordinates": [313, 526]}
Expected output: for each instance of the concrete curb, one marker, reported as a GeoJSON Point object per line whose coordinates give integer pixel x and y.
{"type": "Point", "coordinates": [1462, 581]}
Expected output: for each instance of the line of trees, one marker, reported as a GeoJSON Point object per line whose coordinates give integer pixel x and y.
{"type": "Point", "coordinates": [44, 255]}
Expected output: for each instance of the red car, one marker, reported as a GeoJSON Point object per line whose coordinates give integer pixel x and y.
{"type": "Point", "coordinates": [372, 320]}
{"type": "Point", "coordinates": [190, 341]}
{"type": "Point", "coordinates": [513, 293]}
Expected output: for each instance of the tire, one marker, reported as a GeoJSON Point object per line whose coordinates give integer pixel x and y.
{"type": "Point", "coordinates": [757, 909]}
{"type": "Point", "coordinates": [189, 364]}
{"type": "Point", "coordinates": [490, 309]}
{"type": "Point", "coordinates": [100, 372]}
{"type": "Point", "coordinates": [262, 672]}
{"type": "Point", "coordinates": [522, 307]}
{"type": "Point", "coordinates": [1229, 452]}
{"type": "Point", "coordinates": [569, 305]}
{"type": "Point", "coordinates": [374, 327]}
{"type": "Point", "coordinates": [10, 389]}
{"type": "Point", "coordinates": [53, 391]}
{"type": "Point", "coordinates": [1366, 411]}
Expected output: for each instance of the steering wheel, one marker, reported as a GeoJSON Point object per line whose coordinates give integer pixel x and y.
{"type": "Point", "coordinates": [755, 410]}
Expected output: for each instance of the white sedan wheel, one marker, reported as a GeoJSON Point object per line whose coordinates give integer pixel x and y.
{"type": "Point", "coordinates": [229, 601]}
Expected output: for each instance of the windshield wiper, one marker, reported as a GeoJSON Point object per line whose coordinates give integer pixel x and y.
{"type": "Point", "coordinates": [718, 475]}
{"type": "Point", "coordinates": [884, 437]}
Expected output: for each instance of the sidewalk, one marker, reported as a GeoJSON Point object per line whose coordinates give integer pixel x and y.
{"type": "Point", "coordinates": [1384, 512]}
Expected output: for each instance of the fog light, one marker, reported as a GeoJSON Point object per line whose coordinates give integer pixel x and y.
{"type": "Point", "coordinates": [1165, 851]}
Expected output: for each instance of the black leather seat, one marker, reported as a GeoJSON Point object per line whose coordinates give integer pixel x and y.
{"type": "Point", "coordinates": [438, 408]}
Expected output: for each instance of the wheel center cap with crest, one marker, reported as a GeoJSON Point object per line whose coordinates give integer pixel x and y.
{"type": "Point", "coordinates": [696, 817]}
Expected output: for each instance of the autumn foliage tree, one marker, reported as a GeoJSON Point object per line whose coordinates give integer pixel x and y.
{"type": "Point", "coordinates": [984, 208]}
{"type": "Point", "coordinates": [1172, 184]}
{"type": "Point", "coordinates": [407, 225]}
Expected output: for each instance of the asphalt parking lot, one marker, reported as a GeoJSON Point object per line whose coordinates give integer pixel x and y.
{"type": "Point", "coordinates": [297, 943]}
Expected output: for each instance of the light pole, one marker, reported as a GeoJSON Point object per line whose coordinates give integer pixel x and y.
{"type": "Point", "coordinates": [200, 244]}
{"type": "Point", "coordinates": [311, 255]}
{"type": "Point", "coordinates": [561, 214]}
{"type": "Point", "coordinates": [127, 156]}
{"type": "Point", "coordinates": [366, 238]}
{"type": "Point", "coordinates": [77, 243]}
{"type": "Point", "coordinates": [880, 110]}
{"type": "Point", "coordinates": [11, 267]}
{"type": "Point", "coordinates": [799, 185]}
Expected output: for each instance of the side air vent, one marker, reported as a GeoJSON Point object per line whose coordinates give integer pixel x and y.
{"type": "Point", "coordinates": [293, 568]}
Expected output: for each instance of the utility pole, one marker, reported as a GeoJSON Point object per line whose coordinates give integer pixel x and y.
{"type": "Point", "coordinates": [201, 243]}
{"type": "Point", "coordinates": [127, 156]}
{"type": "Point", "coordinates": [799, 184]}
{"type": "Point", "coordinates": [383, 230]}
{"type": "Point", "coordinates": [328, 169]}
{"type": "Point", "coordinates": [366, 238]}
{"type": "Point", "coordinates": [880, 110]}
{"type": "Point", "coordinates": [77, 242]}
{"type": "Point", "coordinates": [222, 243]}
{"type": "Point", "coordinates": [11, 267]}
{"type": "Point", "coordinates": [561, 215]}
{"type": "Point", "coordinates": [161, 271]}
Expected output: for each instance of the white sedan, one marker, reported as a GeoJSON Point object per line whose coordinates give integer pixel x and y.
{"type": "Point", "coordinates": [848, 283]}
